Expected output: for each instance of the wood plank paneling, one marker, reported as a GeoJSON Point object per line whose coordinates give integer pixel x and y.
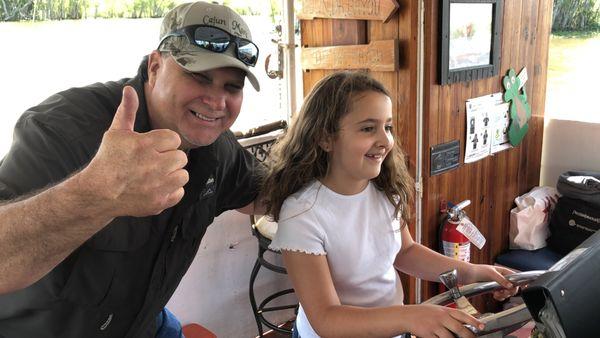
{"type": "Point", "coordinates": [491, 183]}
{"type": "Point", "coordinates": [329, 32]}
{"type": "Point", "coordinates": [377, 56]}
{"type": "Point", "coordinates": [401, 85]}
{"type": "Point", "coordinates": [364, 10]}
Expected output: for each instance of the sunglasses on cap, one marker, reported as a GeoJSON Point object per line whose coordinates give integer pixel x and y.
{"type": "Point", "coordinates": [217, 40]}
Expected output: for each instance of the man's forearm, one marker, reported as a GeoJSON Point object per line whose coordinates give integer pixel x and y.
{"type": "Point", "coordinates": [132, 174]}
{"type": "Point", "coordinates": [39, 232]}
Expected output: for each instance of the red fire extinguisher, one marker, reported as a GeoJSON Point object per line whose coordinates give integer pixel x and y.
{"type": "Point", "coordinates": [453, 243]}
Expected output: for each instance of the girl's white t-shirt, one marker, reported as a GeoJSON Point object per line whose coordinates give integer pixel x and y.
{"type": "Point", "coordinates": [359, 235]}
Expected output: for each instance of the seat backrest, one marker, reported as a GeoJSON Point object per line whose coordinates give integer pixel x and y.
{"type": "Point", "coordinates": [264, 226]}
{"type": "Point", "coordinates": [258, 141]}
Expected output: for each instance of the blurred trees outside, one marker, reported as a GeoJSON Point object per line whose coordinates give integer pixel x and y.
{"type": "Point", "coordinates": [41, 10]}
{"type": "Point", "coordinates": [575, 15]}
{"type": "Point", "coordinates": [569, 15]}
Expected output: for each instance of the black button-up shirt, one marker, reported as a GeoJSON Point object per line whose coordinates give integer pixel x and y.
{"type": "Point", "coordinates": [116, 283]}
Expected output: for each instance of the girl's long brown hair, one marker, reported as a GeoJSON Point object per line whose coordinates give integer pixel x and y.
{"type": "Point", "coordinates": [297, 159]}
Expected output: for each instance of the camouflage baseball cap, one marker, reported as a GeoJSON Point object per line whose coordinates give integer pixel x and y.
{"type": "Point", "coordinates": [197, 59]}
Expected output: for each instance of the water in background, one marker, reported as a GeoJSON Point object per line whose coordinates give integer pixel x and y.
{"type": "Point", "coordinates": [573, 76]}
{"type": "Point", "coordinates": [39, 59]}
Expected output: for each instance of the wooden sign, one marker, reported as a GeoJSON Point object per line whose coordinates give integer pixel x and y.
{"type": "Point", "coordinates": [348, 9]}
{"type": "Point", "coordinates": [381, 56]}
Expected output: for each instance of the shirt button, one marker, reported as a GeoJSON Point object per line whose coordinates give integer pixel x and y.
{"type": "Point", "coordinates": [174, 233]}
{"type": "Point", "coordinates": [106, 322]}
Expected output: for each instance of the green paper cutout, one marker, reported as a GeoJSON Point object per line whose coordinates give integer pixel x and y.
{"type": "Point", "coordinates": [520, 111]}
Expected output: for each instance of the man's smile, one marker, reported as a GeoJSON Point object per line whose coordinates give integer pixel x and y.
{"type": "Point", "coordinates": [204, 117]}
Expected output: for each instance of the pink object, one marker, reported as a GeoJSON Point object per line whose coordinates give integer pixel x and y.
{"type": "Point", "coordinates": [197, 331]}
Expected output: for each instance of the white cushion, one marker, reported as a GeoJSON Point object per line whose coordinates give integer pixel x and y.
{"type": "Point", "coordinates": [266, 227]}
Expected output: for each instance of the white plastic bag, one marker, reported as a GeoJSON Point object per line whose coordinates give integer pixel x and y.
{"type": "Point", "coordinates": [529, 220]}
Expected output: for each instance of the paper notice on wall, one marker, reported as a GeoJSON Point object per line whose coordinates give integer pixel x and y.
{"type": "Point", "coordinates": [522, 77]}
{"type": "Point", "coordinates": [487, 126]}
{"type": "Point", "coordinates": [500, 123]}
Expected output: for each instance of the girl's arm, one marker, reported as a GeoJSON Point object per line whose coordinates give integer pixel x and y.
{"type": "Point", "coordinates": [314, 287]}
{"type": "Point", "coordinates": [420, 261]}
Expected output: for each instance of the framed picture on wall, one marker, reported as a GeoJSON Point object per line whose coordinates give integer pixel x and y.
{"type": "Point", "coordinates": [471, 32]}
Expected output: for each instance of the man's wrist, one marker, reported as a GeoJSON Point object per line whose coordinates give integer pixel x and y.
{"type": "Point", "coordinates": [89, 197]}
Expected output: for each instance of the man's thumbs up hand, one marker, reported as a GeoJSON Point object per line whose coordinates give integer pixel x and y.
{"type": "Point", "coordinates": [125, 116]}
{"type": "Point", "coordinates": [135, 174]}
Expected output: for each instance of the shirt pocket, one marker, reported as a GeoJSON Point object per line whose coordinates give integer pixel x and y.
{"type": "Point", "coordinates": [90, 278]}
{"type": "Point", "coordinates": [99, 258]}
{"type": "Point", "coordinates": [122, 234]}
{"type": "Point", "coordinates": [198, 218]}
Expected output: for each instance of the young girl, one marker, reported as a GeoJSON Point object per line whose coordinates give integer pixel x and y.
{"type": "Point", "coordinates": [340, 190]}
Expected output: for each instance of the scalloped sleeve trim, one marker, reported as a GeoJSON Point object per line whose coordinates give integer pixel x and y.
{"type": "Point", "coordinates": [300, 250]}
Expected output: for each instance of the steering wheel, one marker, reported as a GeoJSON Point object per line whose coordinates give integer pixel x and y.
{"type": "Point", "coordinates": [503, 322]}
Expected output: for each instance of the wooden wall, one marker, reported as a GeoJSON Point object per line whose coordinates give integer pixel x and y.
{"type": "Point", "coordinates": [492, 183]}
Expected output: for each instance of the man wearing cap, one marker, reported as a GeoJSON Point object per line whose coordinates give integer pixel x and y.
{"type": "Point", "coordinates": [108, 189]}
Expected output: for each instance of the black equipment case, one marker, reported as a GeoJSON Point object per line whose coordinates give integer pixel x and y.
{"type": "Point", "coordinates": [565, 301]}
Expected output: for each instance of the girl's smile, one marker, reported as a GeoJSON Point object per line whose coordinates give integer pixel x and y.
{"type": "Point", "coordinates": [358, 149]}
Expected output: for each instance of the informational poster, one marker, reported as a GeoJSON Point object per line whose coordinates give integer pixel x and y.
{"type": "Point", "coordinates": [487, 127]}
{"type": "Point", "coordinates": [500, 123]}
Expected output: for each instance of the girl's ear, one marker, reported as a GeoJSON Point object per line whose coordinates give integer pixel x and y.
{"type": "Point", "coordinates": [326, 143]}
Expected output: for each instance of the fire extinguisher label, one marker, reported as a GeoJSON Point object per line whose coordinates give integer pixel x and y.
{"type": "Point", "coordinates": [458, 251]}
{"type": "Point", "coordinates": [469, 230]}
